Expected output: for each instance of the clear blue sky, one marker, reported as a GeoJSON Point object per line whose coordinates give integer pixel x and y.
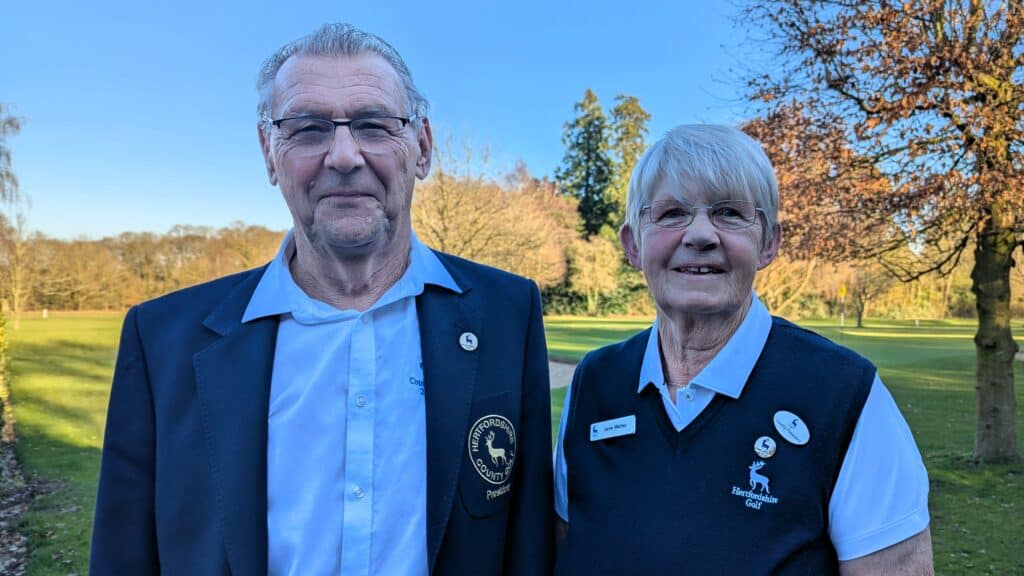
{"type": "Point", "coordinates": [141, 115]}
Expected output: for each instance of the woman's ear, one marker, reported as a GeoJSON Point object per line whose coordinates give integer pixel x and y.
{"type": "Point", "coordinates": [631, 246]}
{"type": "Point", "coordinates": [770, 247]}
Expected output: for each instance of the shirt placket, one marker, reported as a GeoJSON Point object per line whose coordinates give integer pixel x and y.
{"type": "Point", "coordinates": [357, 524]}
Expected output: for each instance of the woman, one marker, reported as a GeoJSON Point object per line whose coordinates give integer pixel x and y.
{"type": "Point", "coordinates": [723, 440]}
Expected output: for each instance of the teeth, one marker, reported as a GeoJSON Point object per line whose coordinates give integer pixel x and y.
{"type": "Point", "coordinates": [698, 270]}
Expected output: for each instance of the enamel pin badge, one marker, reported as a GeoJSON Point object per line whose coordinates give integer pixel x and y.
{"type": "Point", "coordinates": [791, 427]}
{"type": "Point", "coordinates": [468, 341]}
{"type": "Point", "coordinates": [764, 447]}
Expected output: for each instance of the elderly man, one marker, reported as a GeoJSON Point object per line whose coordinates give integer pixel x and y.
{"type": "Point", "coordinates": [362, 404]}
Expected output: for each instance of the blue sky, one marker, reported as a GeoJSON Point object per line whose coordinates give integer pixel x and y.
{"type": "Point", "coordinates": [141, 115]}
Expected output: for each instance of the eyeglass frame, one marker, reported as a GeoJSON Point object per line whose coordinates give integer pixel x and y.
{"type": "Point", "coordinates": [343, 122]}
{"type": "Point", "coordinates": [707, 209]}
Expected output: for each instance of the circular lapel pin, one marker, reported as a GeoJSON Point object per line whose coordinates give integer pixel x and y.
{"type": "Point", "coordinates": [791, 427]}
{"type": "Point", "coordinates": [468, 341]}
{"type": "Point", "coordinates": [765, 447]}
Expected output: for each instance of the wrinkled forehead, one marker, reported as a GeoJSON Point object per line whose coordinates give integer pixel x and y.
{"type": "Point", "coordinates": [335, 84]}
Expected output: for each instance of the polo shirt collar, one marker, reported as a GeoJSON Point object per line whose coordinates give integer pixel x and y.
{"type": "Point", "coordinates": [728, 371]}
{"type": "Point", "coordinates": [277, 293]}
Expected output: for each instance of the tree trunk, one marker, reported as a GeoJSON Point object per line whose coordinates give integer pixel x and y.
{"type": "Point", "coordinates": [995, 437]}
{"type": "Point", "coordinates": [860, 314]}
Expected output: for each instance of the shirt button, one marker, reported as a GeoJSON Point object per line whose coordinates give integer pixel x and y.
{"type": "Point", "coordinates": [360, 400]}
{"type": "Point", "coordinates": [365, 318]}
{"type": "Point", "coordinates": [688, 395]}
{"type": "Point", "coordinates": [358, 493]}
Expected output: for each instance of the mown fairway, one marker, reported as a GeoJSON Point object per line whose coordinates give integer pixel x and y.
{"type": "Point", "coordinates": [61, 375]}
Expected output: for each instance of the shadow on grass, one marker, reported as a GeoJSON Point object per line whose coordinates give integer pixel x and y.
{"type": "Point", "coordinates": [58, 524]}
{"type": "Point", "coordinates": [61, 358]}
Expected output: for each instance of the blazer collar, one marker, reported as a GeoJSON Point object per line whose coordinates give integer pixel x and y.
{"type": "Point", "coordinates": [233, 387]}
{"type": "Point", "coordinates": [449, 374]}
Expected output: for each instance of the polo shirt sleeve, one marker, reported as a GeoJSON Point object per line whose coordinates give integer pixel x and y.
{"type": "Point", "coordinates": [881, 495]}
{"type": "Point", "coordinates": [561, 488]}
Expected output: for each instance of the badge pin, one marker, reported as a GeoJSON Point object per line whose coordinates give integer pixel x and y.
{"type": "Point", "coordinates": [764, 447]}
{"type": "Point", "coordinates": [791, 427]}
{"type": "Point", "coordinates": [468, 341]}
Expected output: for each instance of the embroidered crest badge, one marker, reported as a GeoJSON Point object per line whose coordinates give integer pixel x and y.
{"type": "Point", "coordinates": [759, 492]}
{"type": "Point", "coordinates": [492, 448]}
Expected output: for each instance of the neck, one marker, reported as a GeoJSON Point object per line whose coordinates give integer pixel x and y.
{"type": "Point", "coordinates": [689, 342]}
{"type": "Point", "coordinates": [345, 280]}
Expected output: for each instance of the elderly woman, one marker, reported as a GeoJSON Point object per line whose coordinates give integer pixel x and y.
{"type": "Point", "coordinates": [723, 440]}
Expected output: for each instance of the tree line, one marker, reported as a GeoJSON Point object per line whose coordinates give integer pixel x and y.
{"type": "Point", "coordinates": [897, 133]}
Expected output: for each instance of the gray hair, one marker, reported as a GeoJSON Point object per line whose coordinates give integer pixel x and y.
{"type": "Point", "coordinates": [721, 160]}
{"type": "Point", "coordinates": [337, 40]}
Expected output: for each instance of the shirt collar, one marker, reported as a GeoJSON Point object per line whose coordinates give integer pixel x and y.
{"type": "Point", "coordinates": [728, 371]}
{"type": "Point", "coordinates": [277, 293]}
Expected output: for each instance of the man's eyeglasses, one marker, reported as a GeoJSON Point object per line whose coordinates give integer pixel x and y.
{"type": "Point", "coordinates": [724, 214]}
{"type": "Point", "coordinates": [310, 135]}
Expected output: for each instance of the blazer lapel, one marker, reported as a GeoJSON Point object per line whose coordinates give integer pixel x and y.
{"type": "Point", "coordinates": [233, 382]}
{"type": "Point", "coordinates": [449, 374]}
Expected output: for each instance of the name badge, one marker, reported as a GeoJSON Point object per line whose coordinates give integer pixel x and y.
{"type": "Point", "coordinates": [613, 428]}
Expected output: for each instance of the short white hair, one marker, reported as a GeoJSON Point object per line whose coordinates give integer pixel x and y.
{"type": "Point", "coordinates": [337, 40]}
{"type": "Point", "coordinates": [721, 160]}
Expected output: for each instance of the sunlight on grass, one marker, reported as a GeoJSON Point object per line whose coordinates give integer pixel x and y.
{"type": "Point", "coordinates": [61, 370]}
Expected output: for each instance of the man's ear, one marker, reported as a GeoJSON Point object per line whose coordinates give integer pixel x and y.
{"type": "Point", "coordinates": [425, 140]}
{"type": "Point", "coordinates": [267, 157]}
{"type": "Point", "coordinates": [770, 248]}
{"type": "Point", "coordinates": [629, 244]}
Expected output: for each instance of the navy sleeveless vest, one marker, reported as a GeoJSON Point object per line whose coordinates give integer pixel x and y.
{"type": "Point", "coordinates": [702, 501]}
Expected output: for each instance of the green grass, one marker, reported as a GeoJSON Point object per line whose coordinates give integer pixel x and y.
{"type": "Point", "coordinates": [61, 370]}
{"type": "Point", "coordinates": [60, 380]}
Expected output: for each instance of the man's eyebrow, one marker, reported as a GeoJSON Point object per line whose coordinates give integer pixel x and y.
{"type": "Point", "coordinates": [316, 112]}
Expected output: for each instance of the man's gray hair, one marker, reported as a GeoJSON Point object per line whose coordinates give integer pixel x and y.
{"type": "Point", "coordinates": [720, 160]}
{"type": "Point", "coordinates": [337, 40]}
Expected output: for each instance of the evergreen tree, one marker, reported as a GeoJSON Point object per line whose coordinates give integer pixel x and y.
{"type": "Point", "coordinates": [629, 129]}
{"type": "Point", "coordinates": [586, 171]}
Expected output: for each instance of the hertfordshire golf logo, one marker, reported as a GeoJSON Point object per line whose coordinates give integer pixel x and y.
{"type": "Point", "coordinates": [759, 492]}
{"type": "Point", "coordinates": [492, 448]}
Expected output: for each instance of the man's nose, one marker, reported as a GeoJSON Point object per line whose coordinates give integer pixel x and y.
{"type": "Point", "coordinates": [345, 154]}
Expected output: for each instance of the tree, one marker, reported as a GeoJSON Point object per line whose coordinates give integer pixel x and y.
{"type": "Point", "coordinates": [522, 226]}
{"type": "Point", "coordinates": [931, 92]}
{"type": "Point", "coordinates": [586, 171]}
{"type": "Point", "coordinates": [16, 270]}
{"type": "Point", "coordinates": [9, 126]}
{"type": "Point", "coordinates": [629, 130]}
{"type": "Point", "coordinates": [865, 282]}
{"type": "Point", "coordinates": [593, 269]}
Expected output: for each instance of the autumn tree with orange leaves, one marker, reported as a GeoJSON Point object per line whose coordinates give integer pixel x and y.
{"type": "Point", "coordinates": [901, 125]}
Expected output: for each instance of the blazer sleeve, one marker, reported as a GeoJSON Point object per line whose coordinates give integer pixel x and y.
{"type": "Point", "coordinates": [124, 534]}
{"type": "Point", "coordinates": [530, 544]}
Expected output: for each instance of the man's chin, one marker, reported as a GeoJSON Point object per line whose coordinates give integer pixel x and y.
{"type": "Point", "coordinates": [355, 238]}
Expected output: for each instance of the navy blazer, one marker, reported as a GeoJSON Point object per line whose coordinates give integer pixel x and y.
{"type": "Point", "coordinates": [183, 481]}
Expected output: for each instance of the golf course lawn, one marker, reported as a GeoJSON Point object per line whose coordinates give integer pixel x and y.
{"type": "Point", "coordinates": [60, 372]}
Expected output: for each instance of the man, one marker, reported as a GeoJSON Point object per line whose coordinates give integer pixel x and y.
{"type": "Point", "coordinates": [361, 405]}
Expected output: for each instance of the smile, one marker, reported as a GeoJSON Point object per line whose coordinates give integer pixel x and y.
{"type": "Point", "coordinates": [700, 270]}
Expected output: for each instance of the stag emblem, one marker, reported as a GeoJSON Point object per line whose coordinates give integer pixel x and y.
{"type": "Point", "coordinates": [758, 481]}
{"type": "Point", "coordinates": [492, 448]}
{"type": "Point", "coordinates": [497, 454]}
